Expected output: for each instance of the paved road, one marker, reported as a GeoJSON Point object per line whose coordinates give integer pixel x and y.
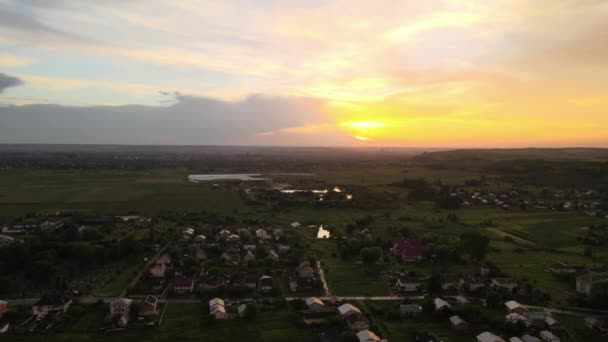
{"type": "Point", "coordinates": [322, 276]}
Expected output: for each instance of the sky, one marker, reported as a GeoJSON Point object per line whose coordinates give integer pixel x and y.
{"type": "Point", "coordinates": [433, 73]}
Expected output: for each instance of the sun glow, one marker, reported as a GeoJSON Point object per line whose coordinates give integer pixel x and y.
{"type": "Point", "coordinates": [358, 137]}
{"type": "Point", "coordinates": [362, 125]}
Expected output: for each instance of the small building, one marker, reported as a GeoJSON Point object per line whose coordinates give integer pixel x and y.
{"type": "Point", "coordinates": [551, 322]}
{"type": "Point", "coordinates": [487, 336]}
{"type": "Point", "coordinates": [347, 309]}
{"type": "Point", "coordinates": [208, 283]}
{"type": "Point", "coordinates": [183, 285]}
{"type": "Point", "coordinates": [367, 336]}
{"type": "Point", "coordinates": [120, 311]}
{"type": "Point", "coordinates": [242, 310]}
{"type": "Point", "coordinates": [306, 272]}
{"type": "Point", "coordinates": [248, 257]}
{"type": "Point", "coordinates": [548, 336]}
{"type": "Point", "coordinates": [515, 339]}
{"type": "Point", "coordinates": [537, 319]}
{"type": "Point", "coordinates": [409, 250]}
{"type": "Point", "coordinates": [516, 318]}
{"type": "Point", "coordinates": [441, 305]}
{"type": "Point", "coordinates": [458, 324]}
{"type": "Point", "coordinates": [410, 310]}
{"type": "Point", "coordinates": [450, 282]}
{"type": "Point", "coordinates": [475, 283]}
{"type": "Point", "coordinates": [529, 338]}
{"type": "Point", "coordinates": [561, 268]}
{"type": "Point", "coordinates": [357, 321]}
{"type": "Point", "coordinates": [149, 307]}
{"type": "Point", "coordinates": [504, 283]}
{"type": "Point", "coordinates": [51, 304]}
{"type": "Point", "coordinates": [314, 303]}
{"type": "Point", "coordinates": [217, 308]}
{"type": "Point", "coordinates": [411, 284]}
{"type": "Point", "coordinates": [513, 306]}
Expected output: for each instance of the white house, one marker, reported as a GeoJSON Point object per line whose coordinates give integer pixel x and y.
{"type": "Point", "coordinates": [548, 336]}
{"type": "Point", "coordinates": [217, 308]}
{"type": "Point", "coordinates": [487, 336]}
{"type": "Point", "coordinates": [441, 304]}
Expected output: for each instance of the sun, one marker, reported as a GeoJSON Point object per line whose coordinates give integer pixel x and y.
{"type": "Point", "coordinates": [363, 125]}
{"type": "Point", "coordinates": [362, 138]}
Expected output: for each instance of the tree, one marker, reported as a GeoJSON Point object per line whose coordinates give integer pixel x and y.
{"type": "Point", "coordinates": [349, 336]}
{"type": "Point", "coordinates": [475, 244]}
{"type": "Point", "coordinates": [370, 255]}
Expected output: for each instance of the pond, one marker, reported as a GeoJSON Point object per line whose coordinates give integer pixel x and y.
{"type": "Point", "coordinates": [239, 176]}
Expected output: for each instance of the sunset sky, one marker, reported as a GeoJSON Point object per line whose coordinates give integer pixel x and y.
{"type": "Point", "coordinates": [448, 73]}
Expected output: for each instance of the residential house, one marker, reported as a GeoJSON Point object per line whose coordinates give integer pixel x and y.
{"type": "Point", "coordinates": [314, 303]}
{"type": "Point", "coordinates": [537, 319]}
{"type": "Point", "coordinates": [441, 305]}
{"type": "Point", "coordinates": [353, 317]}
{"type": "Point", "coordinates": [272, 255]}
{"type": "Point", "coordinates": [516, 318]}
{"type": "Point", "coordinates": [487, 336]}
{"type": "Point", "coordinates": [295, 224]}
{"type": "Point", "coordinates": [462, 300]}
{"type": "Point", "coordinates": [224, 234]}
{"type": "Point", "coordinates": [283, 249]}
{"type": "Point", "coordinates": [51, 304]}
{"type": "Point", "coordinates": [148, 307]}
{"type": "Point", "coordinates": [475, 283]}
{"type": "Point", "coordinates": [208, 283]}
{"type": "Point", "coordinates": [596, 324]}
{"type": "Point", "coordinates": [513, 306]}
{"type": "Point", "coordinates": [410, 310]}
{"type": "Point", "coordinates": [450, 282]}
{"type": "Point", "coordinates": [306, 272]}
{"type": "Point", "coordinates": [515, 339]}
{"type": "Point", "coordinates": [548, 336]}
{"type": "Point", "coordinates": [409, 250]}
{"type": "Point", "coordinates": [183, 285]}
{"type": "Point", "coordinates": [504, 283]}
{"type": "Point", "coordinates": [458, 324]}
{"type": "Point", "coordinates": [356, 321]}
{"type": "Point", "coordinates": [529, 338]}
{"type": "Point", "coordinates": [265, 283]}
{"type": "Point", "coordinates": [367, 336]}
{"type": "Point", "coordinates": [412, 284]}
{"type": "Point", "coordinates": [120, 311]}
{"type": "Point", "coordinates": [242, 310]}
{"type": "Point", "coordinates": [200, 238]}
{"type": "Point", "coordinates": [563, 268]}
{"type": "Point", "coordinates": [217, 308]}
{"type": "Point", "coordinates": [248, 257]}
{"type": "Point", "coordinates": [551, 322]}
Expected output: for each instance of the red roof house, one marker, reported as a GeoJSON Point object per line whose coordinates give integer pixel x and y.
{"type": "Point", "coordinates": [409, 250]}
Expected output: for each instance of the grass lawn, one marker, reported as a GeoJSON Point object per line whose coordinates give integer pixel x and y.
{"type": "Point", "coordinates": [109, 192]}
{"type": "Point", "coordinates": [120, 282]}
{"type": "Point", "coordinates": [185, 322]}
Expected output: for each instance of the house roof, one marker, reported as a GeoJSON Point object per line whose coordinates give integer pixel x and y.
{"type": "Point", "coordinates": [547, 335]}
{"type": "Point", "coordinates": [440, 303]}
{"type": "Point", "coordinates": [366, 335]}
{"type": "Point", "coordinates": [407, 247]}
{"type": "Point", "coordinates": [355, 317]}
{"type": "Point", "coordinates": [216, 302]}
{"type": "Point", "coordinates": [487, 336]}
{"type": "Point", "coordinates": [530, 338]}
{"type": "Point", "coordinates": [52, 300]}
{"type": "Point", "coordinates": [512, 305]}
{"type": "Point", "coordinates": [515, 339]}
{"type": "Point", "coordinates": [313, 300]}
{"type": "Point", "coordinates": [151, 300]}
{"type": "Point", "coordinates": [346, 308]}
{"type": "Point", "coordinates": [456, 320]}
{"type": "Point", "coordinates": [183, 281]}
{"type": "Point", "coordinates": [551, 321]}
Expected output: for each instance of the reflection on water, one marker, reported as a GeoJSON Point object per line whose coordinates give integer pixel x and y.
{"type": "Point", "coordinates": [322, 233]}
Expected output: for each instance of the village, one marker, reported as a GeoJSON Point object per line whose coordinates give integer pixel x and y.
{"type": "Point", "coordinates": [233, 273]}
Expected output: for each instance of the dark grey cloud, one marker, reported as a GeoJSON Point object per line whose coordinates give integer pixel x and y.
{"type": "Point", "coordinates": [191, 120]}
{"type": "Point", "coordinates": [7, 81]}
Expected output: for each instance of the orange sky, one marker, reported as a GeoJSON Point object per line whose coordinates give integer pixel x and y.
{"type": "Point", "coordinates": [437, 73]}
